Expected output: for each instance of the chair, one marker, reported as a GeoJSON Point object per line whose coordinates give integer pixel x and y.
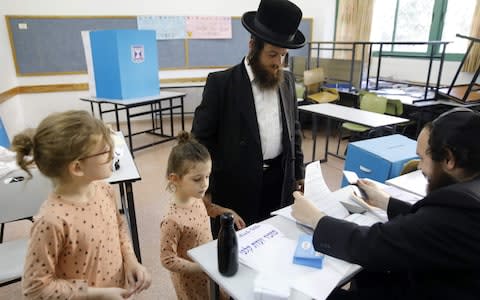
{"type": "Point", "coordinates": [369, 102]}
{"type": "Point", "coordinates": [21, 198]}
{"type": "Point", "coordinates": [410, 166]}
{"type": "Point", "coordinates": [314, 90]}
{"type": "Point", "coordinates": [395, 108]}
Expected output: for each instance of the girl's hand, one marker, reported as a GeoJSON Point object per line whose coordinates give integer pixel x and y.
{"type": "Point", "coordinates": [305, 211]}
{"type": "Point", "coordinates": [376, 197]}
{"type": "Point", "coordinates": [138, 278]}
{"type": "Point", "coordinates": [238, 221]}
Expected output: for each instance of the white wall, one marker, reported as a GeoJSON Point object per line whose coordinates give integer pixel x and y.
{"type": "Point", "coordinates": [26, 110]}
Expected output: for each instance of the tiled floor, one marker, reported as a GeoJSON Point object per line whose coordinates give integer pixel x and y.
{"type": "Point", "coordinates": [151, 200]}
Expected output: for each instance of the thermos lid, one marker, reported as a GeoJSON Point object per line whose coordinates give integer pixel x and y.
{"type": "Point", "coordinates": [226, 219]}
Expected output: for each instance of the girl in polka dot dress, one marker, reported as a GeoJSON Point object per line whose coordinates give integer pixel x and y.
{"type": "Point", "coordinates": [79, 246]}
{"type": "Point", "coordinates": [187, 224]}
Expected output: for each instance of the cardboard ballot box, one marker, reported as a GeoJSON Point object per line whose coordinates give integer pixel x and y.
{"type": "Point", "coordinates": [379, 158]}
{"type": "Point", "coordinates": [122, 64]}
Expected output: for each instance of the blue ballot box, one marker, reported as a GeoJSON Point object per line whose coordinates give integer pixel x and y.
{"type": "Point", "coordinates": [125, 63]}
{"type": "Point", "coordinates": [379, 158]}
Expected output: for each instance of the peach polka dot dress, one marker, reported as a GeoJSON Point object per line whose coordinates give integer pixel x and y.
{"type": "Point", "coordinates": [73, 246]}
{"type": "Point", "coordinates": [184, 228]}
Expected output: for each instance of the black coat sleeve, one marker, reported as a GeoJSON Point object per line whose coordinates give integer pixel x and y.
{"type": "Point", "coordinates": [433, 237]}
{"type": "Point", "coordinates": [397, 207]}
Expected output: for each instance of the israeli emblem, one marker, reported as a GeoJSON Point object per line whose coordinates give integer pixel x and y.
{"type": "Point", "coordinates": [138, 54]}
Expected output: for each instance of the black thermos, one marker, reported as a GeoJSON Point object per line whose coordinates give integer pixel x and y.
{"type": "Point", "coordinates": [227, 246]}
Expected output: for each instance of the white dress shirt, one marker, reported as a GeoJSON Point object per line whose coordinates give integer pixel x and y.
{"type": "Point", "coordinates": [269, 120]}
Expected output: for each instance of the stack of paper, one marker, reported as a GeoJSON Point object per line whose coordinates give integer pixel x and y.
{"type": "Point", "coordinates": [265, 249]}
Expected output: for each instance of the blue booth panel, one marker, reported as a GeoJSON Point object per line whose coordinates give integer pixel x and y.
{"type": "Point", "coordinates": [125, 63]}
{"type": "Point", "coordinates": [4, 141]}
{"type": "Point", "coordinates": [379, 158]}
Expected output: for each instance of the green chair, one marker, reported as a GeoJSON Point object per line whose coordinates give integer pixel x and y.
{"type": "Point", "coordinates": [369, 102]}
{"type": "Point", "coordinates": [395, 108]}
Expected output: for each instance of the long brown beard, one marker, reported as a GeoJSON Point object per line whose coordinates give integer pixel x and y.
{"type": "Point", "coordinates": [439, 179]}
{"type": "Point", "coordinates": [263, 75]}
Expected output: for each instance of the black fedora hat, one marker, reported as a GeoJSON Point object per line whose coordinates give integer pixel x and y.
{"type": "Point", "coordinates": [276, 22]}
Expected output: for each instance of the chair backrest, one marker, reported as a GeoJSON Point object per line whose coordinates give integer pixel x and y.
{"type": "Point", "coordinates": [410, 166]}
{"type": "Point", "coordinates": [394, 107]}
{"type": "Point", "coordinates": [22, 198]}
{"type": "Point", "coordinates": [372, 102]}
{"type": "Point", "coordinates": [338, 70]}
{"type": "Point", "coordinates": [313, 76]}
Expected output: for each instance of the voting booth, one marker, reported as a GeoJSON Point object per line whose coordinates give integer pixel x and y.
{"type": "Point", "coordinates": [122, 64]}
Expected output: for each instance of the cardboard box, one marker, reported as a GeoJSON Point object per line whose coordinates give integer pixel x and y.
{"type": "Point", "coordinates": [379, 158]}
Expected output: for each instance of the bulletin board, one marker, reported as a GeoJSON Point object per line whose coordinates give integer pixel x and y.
{"type": "Point", "coordinates": [51, 45]}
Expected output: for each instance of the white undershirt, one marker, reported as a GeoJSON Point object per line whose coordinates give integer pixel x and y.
{"type": "Point", "coordinates": [267, 107]}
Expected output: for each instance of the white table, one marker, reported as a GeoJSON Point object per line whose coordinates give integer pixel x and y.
{"type": "Point", "coordinates": [124, 177]}
{"type": "Point", "coordinates": [241, 285]}
{"type": "Point", "coordinates": [345, 114]}
{"type": "Point", "coordinates": [413, 182]}
{"type": "Point", "coordinates": [154, 109]}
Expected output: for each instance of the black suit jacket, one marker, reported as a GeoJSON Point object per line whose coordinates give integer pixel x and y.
{"type": "Point", "coordinates": [435, 244]}
{"type": "Point", "coordinates": [226, 123]}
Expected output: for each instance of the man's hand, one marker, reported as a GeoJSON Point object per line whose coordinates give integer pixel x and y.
{"type": "Point", "coordinates": [305, 211]}
{"type": "Point", "coordinates": [376, 196]}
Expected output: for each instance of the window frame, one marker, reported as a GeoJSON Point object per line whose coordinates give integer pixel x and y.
{"type": "Point", "coordinates": [436, 29]}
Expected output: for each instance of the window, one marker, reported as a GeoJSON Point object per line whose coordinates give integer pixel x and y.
{"type": "Point", "coordinates": [413, 20]}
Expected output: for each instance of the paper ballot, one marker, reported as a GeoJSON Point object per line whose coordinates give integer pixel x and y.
{"type": "Point", "coordinates": [338, 204]}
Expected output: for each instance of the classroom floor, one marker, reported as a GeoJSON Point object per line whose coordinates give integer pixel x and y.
{"type": "Point", "coordinates": [151, 199]}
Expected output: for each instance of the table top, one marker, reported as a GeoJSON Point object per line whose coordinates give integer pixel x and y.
{"type": "Point", "coordinates": [128, 170]}
{"type": "Point", "coordinates": [413, 182]}
{"type": "Point", "coordinates": [163, 95]}
{"type": "Point", "coordinates": [351, 114]}
{"type": "Point", "coordinates": [241, 285]}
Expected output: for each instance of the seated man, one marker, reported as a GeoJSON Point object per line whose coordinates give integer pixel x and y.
{"type": "Point", "coordinates": [429, 250]}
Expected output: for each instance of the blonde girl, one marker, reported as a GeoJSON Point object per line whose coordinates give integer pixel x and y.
{"type": "Point", "coordinates": [79, 246]}
{"type": "Point", "coordinates": [187, 224]}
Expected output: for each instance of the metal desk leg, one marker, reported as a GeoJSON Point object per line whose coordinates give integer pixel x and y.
{"type": "Point", "coordinates": [100, 113]}
{"type": "Point", "coordinates": [160, 116]}
{"type": "Point", "coordinates": [91, 107]}
{"type": "Point", "coordinates": [152, 109]}
{"type": "Point", "coordinates": [182, 113]}
{"type": "Point", "coordinates": [129, 131]}
{"type": "Point", "coordinates": [214, 290]}
{"type": "Point", "coordinates": [116, 117]}
{"type": "Point", "coordinates": [314, 135]}
{"type": "Point", "coordinates": [1, 232]}
{"type": "Point", "coordinates": [325, 157]}
{"type": "Point", "coordinates": [171, 118]}
{"type": "Point", "coordinates": [122, 198]}
{"type": "Point", "coordinates": [132, 220]}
